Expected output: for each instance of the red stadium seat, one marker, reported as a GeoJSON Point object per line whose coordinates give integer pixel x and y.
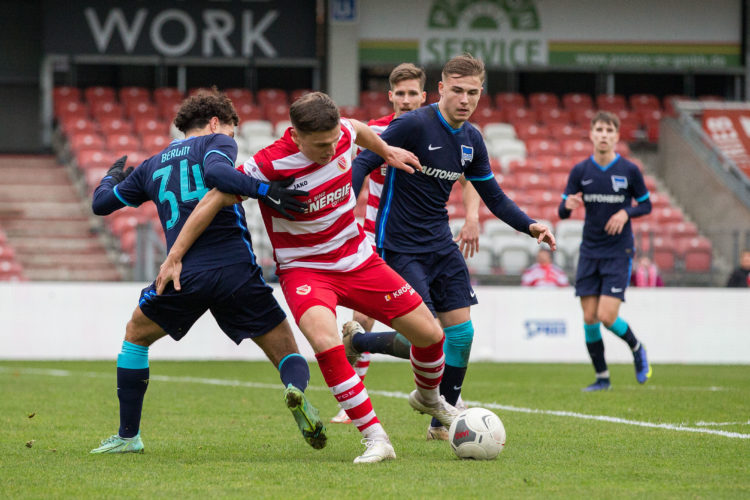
{"type": "Point", "coordinates": [510, 99]}
{"type": "Point", "coordinates": [103, 110]}
{"type": "Point", "coordinates": [135, 156]}
{"type": "Point", "coordinates": [123, 141]}
{"type": "Point", "coordinates": [99, 93]}
{"type": "Point", "coordinates": [486, 115]}
{"type": "Point", "coordinates": [85, 141]}
{"type": "Point", "coordinates": [536, 147]}
{"type": "Point", "coordinates": [527, 130]}
{"type": "Point", "coordinates": [71, 109]}
{"type": "Point", "coordinates": [554, 116]}
{"type": "Point", "coordinates": [93, 158]}
{"type": "Point", "coordinates": [519, 115]}
{"type": "Point", "coordinates": [582, 117]}
{"type": "Point", "coordinates": [66, 93]}
{"type": "Point", "coordinates": [531, 181]}
{"type": "Point", "coordinates": [167, 94]}
{"type": "Point", "coordinates": [572, 147]}
{"type": "Point", "coordinates": [354, 112]}
{"type": "Point", "coordinates": [240, 96]}
{"type": "Point", "coordinates": [644, 101]}
{"type": "Point", "coordinates": [93, 176]}
{"type": "Point", "coordinates": [277, 113]}
{"type": "Point", "coordinates": [658, 200]}
{"type": "Point", "coordinates": [74, 125]}
{"type": "Point", "coordinates": [141, 110]}
{"type": "Point", "coordinates": [698, 255]}
{"type": "Point", "coordinates": [128, 94]}
{"type": "Point", "coordinates": [167, 110]}
{"type": "Point", "coordinates": [248, 112]}
{"type": "Point", "coordinates": [153, 143]}
{"type": "Point", "coordinates": [663, 253]}
{"type": "Point", "coordinates": [610, 102]}
{"type": "Point", "coordinates": [297, 93]}
{"type": "Point", "coordinates": [576, 100]}
{"type": "Point", "coordinates": [144, 126]}
{"type": "Point", "coordinates": [667, 215]}
{"type": "Point", "coordinates": [6, 251]}
{"type": "Point", "coordinates": [377, 110]}
{"type": "Point", "coordinates": [562, 131]}
{"type": "Point", "coordinates": [373, 97]}
{"type": "Point", "coordinates": [538, 100]}
{"type": "Point", "coordinates": [266, 97]}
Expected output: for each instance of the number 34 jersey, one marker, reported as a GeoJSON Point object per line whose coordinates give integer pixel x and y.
{"type": "Point", "coordinates": [174, 181]}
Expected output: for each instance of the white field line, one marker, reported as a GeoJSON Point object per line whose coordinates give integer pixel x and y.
{"type": "Point", "coordinates": [401, 395]}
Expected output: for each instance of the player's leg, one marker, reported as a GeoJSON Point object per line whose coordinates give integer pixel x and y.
{"type": "Point", "coordinates": [244, 307]}
{"type": "Point", "coordinates": [132, 382]}
{"type": "Point", "coordinates": [359, 360]}
{"type": "Point", "coordinates": [615, 279]}
{"type": "Point", "coordinates": [318, 324]}
{"type": "Point", "coordinates": [594, 343]}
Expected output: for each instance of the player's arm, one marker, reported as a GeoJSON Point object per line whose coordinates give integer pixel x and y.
{"type": "Point", "coordinates": [507, 211]}
{"type": "Point", "coordinates": [379, 151]}
{"type": "Point", "coordinates": [572, 197]}
{"type": "Point", "coordinates": [201, 216]}
{"type": "Point", "coordinates": [468, 237]}
{"type": "Point", "coordinates": [106, 197]}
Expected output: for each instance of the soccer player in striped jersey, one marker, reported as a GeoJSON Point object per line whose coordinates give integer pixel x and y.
{"type": "Point", "coordinates": [406, 94]}
{"type": "Point", "coordinates": [606, 185]}
{"type": "Point", "coordinates": [413, 235]}
{"type": "Point", "coordinates": [220, 272]}
{"type": "Point", "coordinates": [323, 259]}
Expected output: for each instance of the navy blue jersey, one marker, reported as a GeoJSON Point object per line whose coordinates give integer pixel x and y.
{"type": "Point", "coordinates": [175, 180]}
{"type": "Point", "coordinates": [606, 190]}
{"type": "Point", "coordinates": [412, 217]}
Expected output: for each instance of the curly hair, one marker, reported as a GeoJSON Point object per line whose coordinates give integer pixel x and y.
{"type": "Point", "coordinates": [197, 110]}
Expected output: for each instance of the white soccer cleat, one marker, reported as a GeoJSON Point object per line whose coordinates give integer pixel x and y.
{"type": "Point", "coordinates": [341, 418]}
{"type": "Point", "coordinates": [376, 450]}
{"type": "Point", "coordinates": [439, 433]}
{"type": "Point", "coordinates": [444, 412]}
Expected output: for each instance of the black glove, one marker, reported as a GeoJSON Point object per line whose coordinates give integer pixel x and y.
{"type": "Point", "coordinates": [282, 199]}
{"type": "Point", "coordinates": [118, 172]}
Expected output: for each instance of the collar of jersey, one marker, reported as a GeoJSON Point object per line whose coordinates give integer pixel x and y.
{"type": "Point", "coordinates": [604, 168]}
{"type": "Point", "coordinates": [445, 123]}
{"type": "Point", "coordinates": [177, 141]}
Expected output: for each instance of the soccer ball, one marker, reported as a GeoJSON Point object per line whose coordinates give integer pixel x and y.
{"type": "Point", "coordinates": [477, 433]}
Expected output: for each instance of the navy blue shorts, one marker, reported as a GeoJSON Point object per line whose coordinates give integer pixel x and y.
{"type": "Point", "coordinates": [441, 278]}
{"type": "Point", "coordinates": [603, 276]}
{"type": "Point", "coordinates": [238, 298]}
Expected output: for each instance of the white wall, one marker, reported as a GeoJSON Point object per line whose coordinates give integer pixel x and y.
{"type": "Point", "coordinates": [87, 321]}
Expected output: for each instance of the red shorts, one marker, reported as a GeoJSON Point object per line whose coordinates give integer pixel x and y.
{"type": "Point", "coordinates": [373, 289]}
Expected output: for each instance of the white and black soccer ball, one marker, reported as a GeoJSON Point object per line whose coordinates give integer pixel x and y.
{"type": "Point", "coordinates": [477, 433]}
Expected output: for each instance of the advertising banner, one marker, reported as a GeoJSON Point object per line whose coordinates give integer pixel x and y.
{"type": "Point", "coordinates": [638, 33]}
{"type": "Point", "coordinates": [231, 28]}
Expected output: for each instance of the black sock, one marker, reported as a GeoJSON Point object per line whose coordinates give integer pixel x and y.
{"type": "Point", "coordinates": [630, 338]}
{"type": "Point", "coordinates": [596, 351]}
{"type": "Point", "coordinates": [131, 388]}
{"type": "Point", "coordinates": [392, 343]}
{"type": "Point", "coordinates": [450, 386]}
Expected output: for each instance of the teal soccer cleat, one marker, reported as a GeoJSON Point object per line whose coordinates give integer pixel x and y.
{"type": "Point", "coordinates": [307, 417]}
{"type": "Point", "coordinates": [117, 444]}
{"type": "Point", "coordinates": [642, 368]}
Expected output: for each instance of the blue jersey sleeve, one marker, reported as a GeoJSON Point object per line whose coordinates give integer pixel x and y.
{"type": "Point", "coordinates": [219, 171]}
{"type": "Point", "coordinates": [109, 196]}
{"type": "Point", "coordinates": [501, 206]}
{"type": "Point", "coordinates": [573, 187]}
{"type": "Point", "coordinates": [640, 195]}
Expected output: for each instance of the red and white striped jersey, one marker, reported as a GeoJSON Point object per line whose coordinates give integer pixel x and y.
{"type": "Point", "coordinates": [544, 276]}
{"type": "Point", "coordinates": [377, 178]}
{"type": "Point", "coordinates": [327, 235]}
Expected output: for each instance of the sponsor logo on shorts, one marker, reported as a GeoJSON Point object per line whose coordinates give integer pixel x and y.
{"type": "Point", "coordinates": [398, 293]}
{"type": "Point", "coordinates": [304, 289]}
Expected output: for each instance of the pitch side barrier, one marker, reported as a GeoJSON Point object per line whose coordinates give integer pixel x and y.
{"type": "Point", "coordinates": [46, 321]}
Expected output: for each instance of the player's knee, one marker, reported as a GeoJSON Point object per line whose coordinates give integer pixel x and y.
{"type": "Point", "coordinates": [458, 340]}
{"type": "Point", "coordinates": [607, 319]}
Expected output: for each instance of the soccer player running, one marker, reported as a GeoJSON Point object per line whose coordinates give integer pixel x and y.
{"type": "Point", "coordinates": [324, 259]}
{"type": "Point", "coordinates": [413, 235]}
{"type": "Point", "coordinates": [406, 94]}
{"type": "Point", "coordinates": [606, 185]}
{"type": "Point", "coordinates": [220, 272]}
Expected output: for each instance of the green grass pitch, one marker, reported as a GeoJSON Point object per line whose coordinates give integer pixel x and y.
{"type": "Point", "coordinates": [221, 430]}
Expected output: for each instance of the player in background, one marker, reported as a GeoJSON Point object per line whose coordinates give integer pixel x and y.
{"type": "Point", "coordinates": [606, 185]}
{"type": "Point", "coordinates": [220, 272]}
{"type": "Point", "coordinates": [406, 94]}
{"type": "Point", "coordinates": [413, 235]}
{"type": "Point", "coordinates": [323, 259]}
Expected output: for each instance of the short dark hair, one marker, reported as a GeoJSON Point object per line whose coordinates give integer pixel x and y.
{"type": "Point", "coordinates": [606, 117]}
{"type": "Point", "coordinates": [314, 112]}
{"type": "Point", "coordinates": [464, 65]}
{"type": "Point", "coordinates": [407, 71]}
{"type": "Point", "coordinates": [197, 110]}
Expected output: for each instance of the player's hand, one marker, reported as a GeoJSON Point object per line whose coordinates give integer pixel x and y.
{"type": "Point", "coordinates": [468, 238]}
{"type": "Point", "coordinates": [118, 171]}
{"type": "Point", "coordinates": [616, 222]}
{"type": "Point", "coordinates": [282, 199]}
{"type": "Point", "coordinates": [169, 271]}
{"type": "Point", "coordinates": [543, 234]}
{"type": "Point", "coordinates": [402, 159]}
{"type": "Point", "coordinates": [574, 201]}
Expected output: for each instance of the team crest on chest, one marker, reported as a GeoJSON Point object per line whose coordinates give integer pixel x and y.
{"type": "Point", "coordinates": [342, 163]}
{"type": "Point", "coordinates": [467, 154]}
{"type": "Point", "coordinates": [619, 182]}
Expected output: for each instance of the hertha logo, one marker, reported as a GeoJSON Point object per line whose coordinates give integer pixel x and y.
{"type": "Point", "coordinates": [342, 163]}
{"type": "Point", "coordinates": [304, 289]}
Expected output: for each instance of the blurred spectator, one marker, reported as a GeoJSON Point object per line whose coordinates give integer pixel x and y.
{"type": "Point", "coordinates": [740, 277]}
{"type": "Point", "coordinates": [646, 274]}
{"type": "Point", "coordinates": [544, 273]}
